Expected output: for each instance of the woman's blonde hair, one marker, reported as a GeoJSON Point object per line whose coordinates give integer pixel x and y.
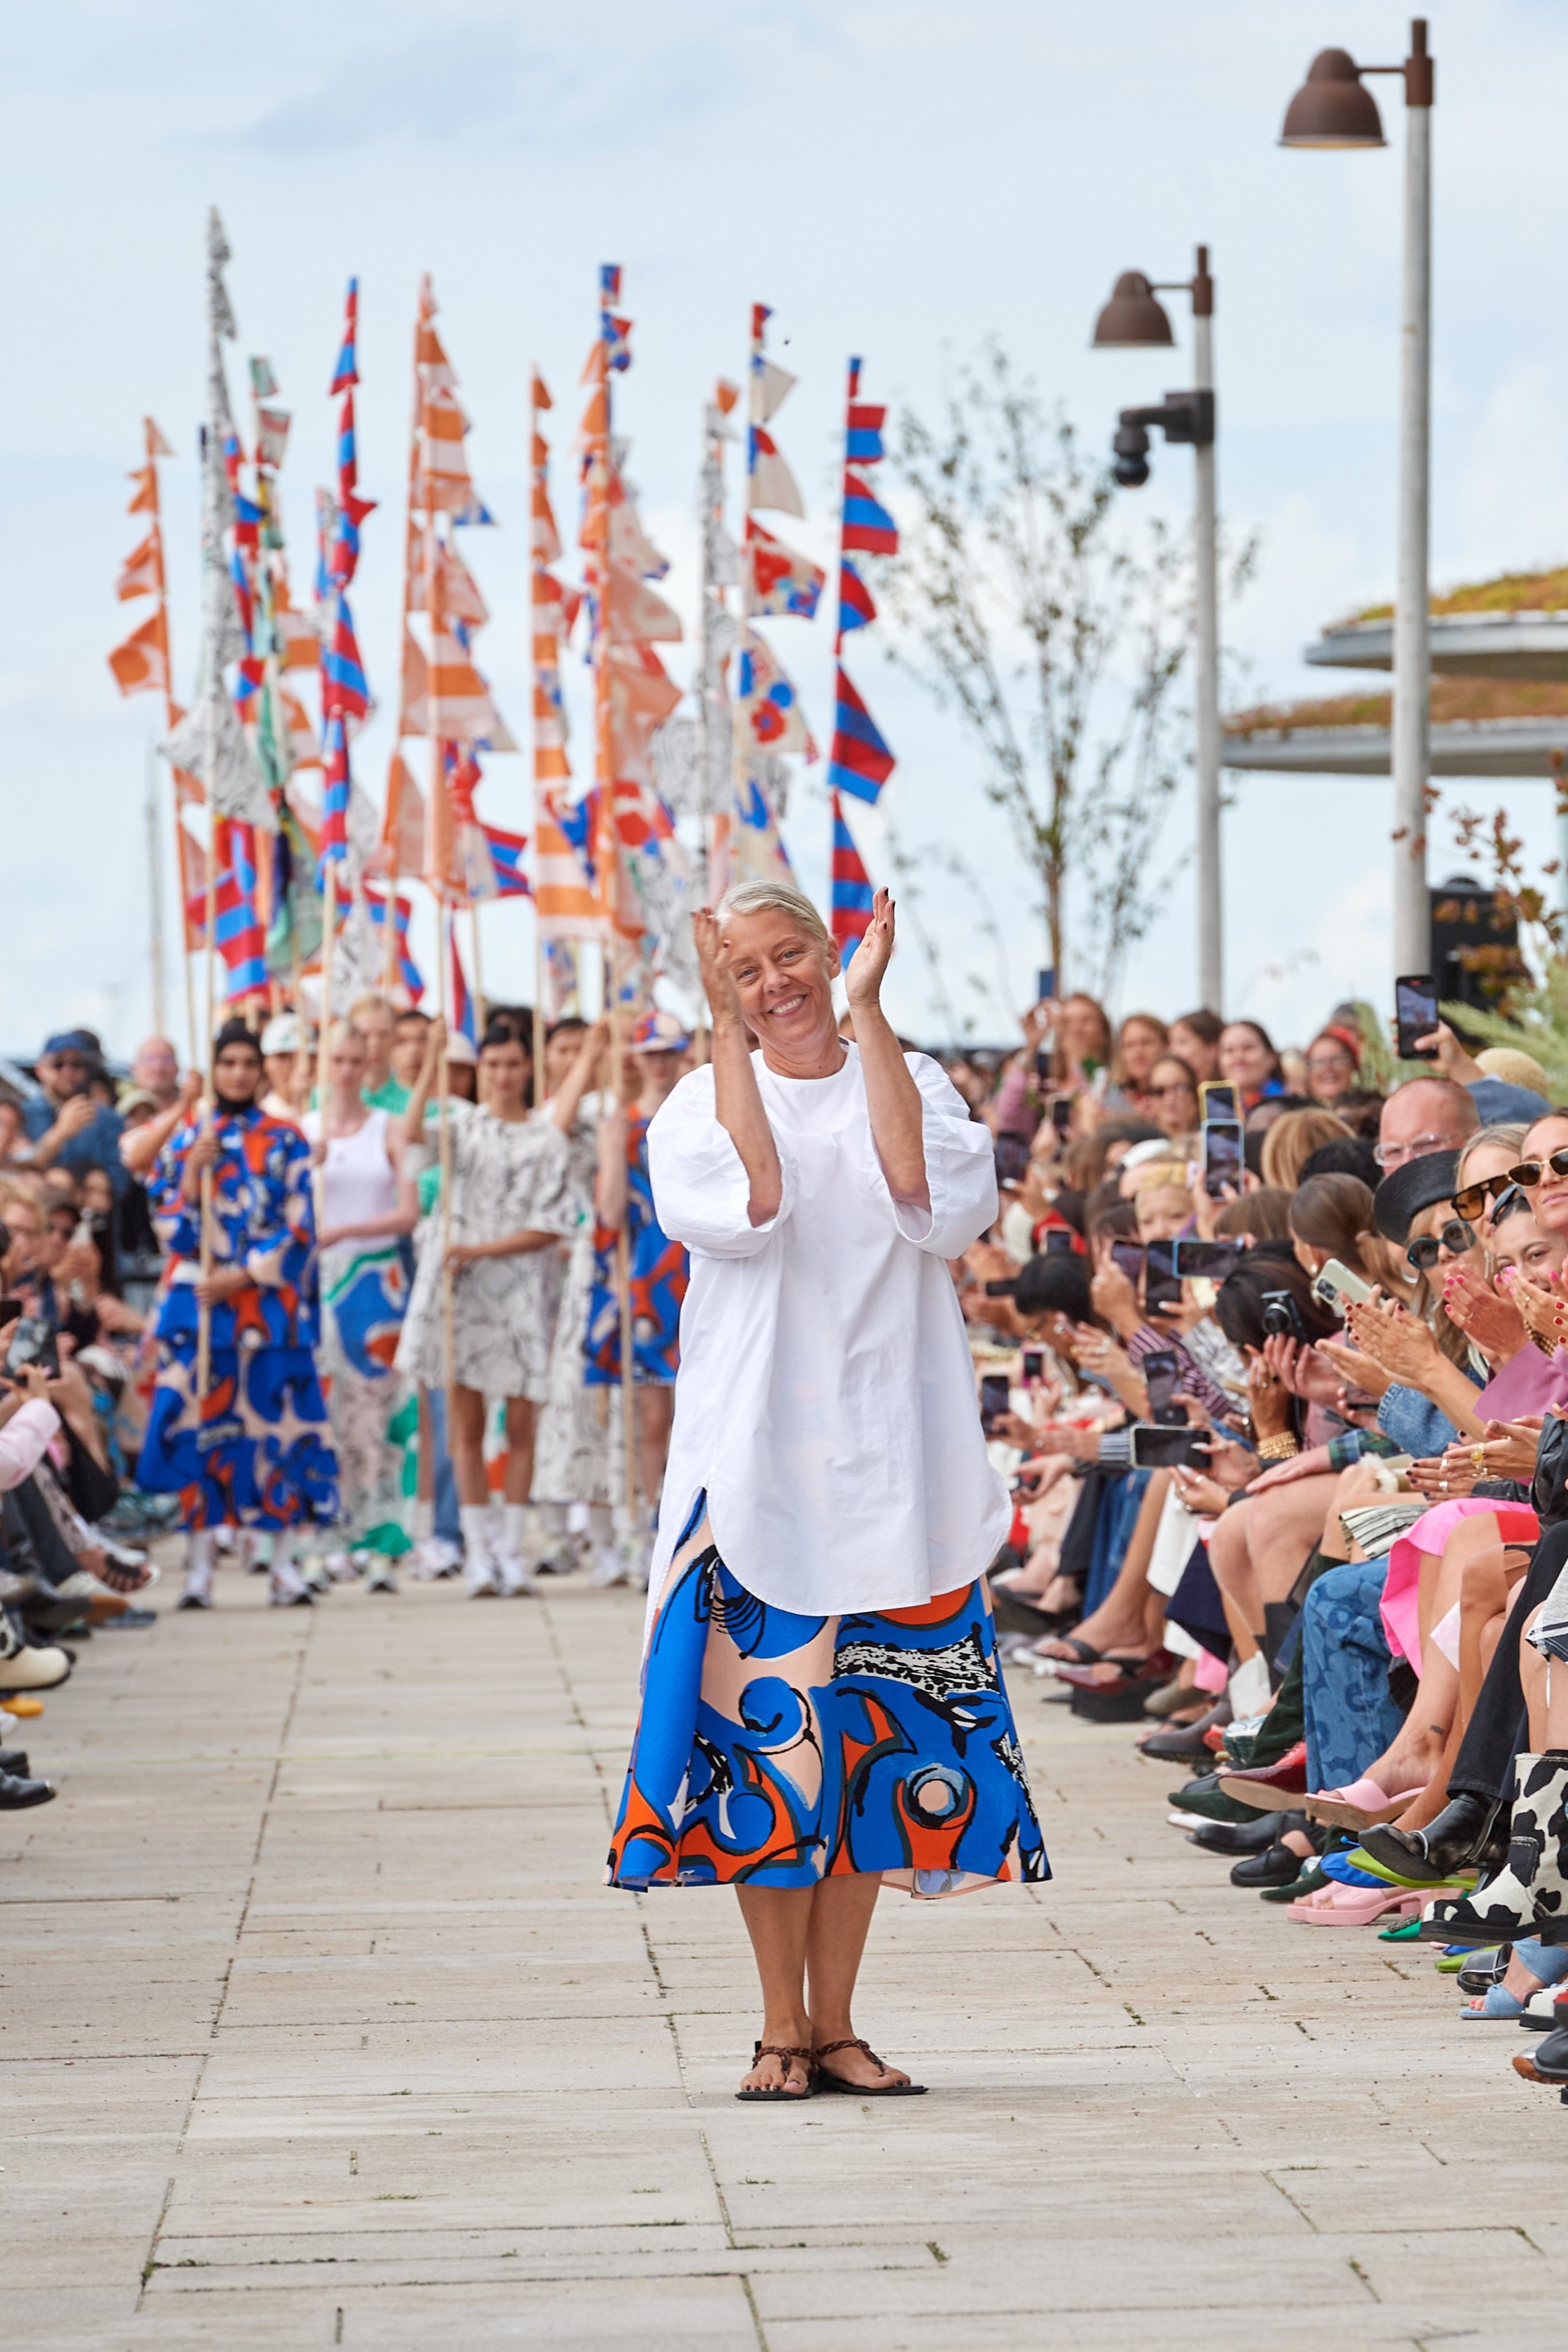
{"type": "Point", "coordinates": [758, 897]}
{"type": "Point", "coordinates": [1292, 1138]}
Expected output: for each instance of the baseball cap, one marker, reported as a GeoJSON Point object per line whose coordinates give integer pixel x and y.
{"type": "Point", "coordinates": [658, 1032]}
{"type": "Point", "coordinates": [282, 1034]}
{"type": "Point", "coordinates": [75, 1041]}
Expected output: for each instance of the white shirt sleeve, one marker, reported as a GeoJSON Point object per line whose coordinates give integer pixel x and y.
{"type": "Point", "coordinates": [700, 1190]}
{"type": "Point", "coordinates": [961, 1167]}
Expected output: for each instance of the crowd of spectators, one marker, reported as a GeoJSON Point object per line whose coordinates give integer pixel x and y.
{"type": "Point", "coordinates": [1274, 1359]}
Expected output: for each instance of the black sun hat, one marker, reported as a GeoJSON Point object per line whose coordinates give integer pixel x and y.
{"type": "Point", "coordinates": [1405, 1191]}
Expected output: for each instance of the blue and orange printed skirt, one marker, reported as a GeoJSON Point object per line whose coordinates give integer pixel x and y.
{"type": "Point", "coordinates": [261, 1454]}
{"type": "Point", "coordinates": [773, 1749]}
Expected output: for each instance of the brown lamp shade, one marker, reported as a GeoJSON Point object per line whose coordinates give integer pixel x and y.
{"type": "Point", "coordinates": [1132, 317]}
{"type": "Point", "coordinates": [1334, 108]}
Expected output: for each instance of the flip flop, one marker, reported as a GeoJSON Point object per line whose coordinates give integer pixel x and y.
{"type": "Point", "coordinates": [777, 2050]}
{"type": "Point", "coordinates": [827, 2082]}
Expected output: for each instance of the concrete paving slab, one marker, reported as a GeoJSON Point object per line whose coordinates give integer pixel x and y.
{"type": "Point", "coordinates": [319, 2030]}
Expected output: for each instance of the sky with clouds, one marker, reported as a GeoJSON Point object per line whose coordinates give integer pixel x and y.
{"type": "Point", "coordinates": [897, 178]}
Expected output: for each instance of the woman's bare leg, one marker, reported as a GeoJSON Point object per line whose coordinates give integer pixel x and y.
{"type": "Point", "coordinates": [656, 1416]}
{"type": "Point", "coordinates": [1284, 1527]}
{"type": "Point", "coordinates": [778, 1921]}
{"type": "Point", "coordinates": [520, 1420]}
{"type": "Point", "coordinates": [840, 1918]}
{"type": "Point", "coordinates": [1119, 1621]}
{"type": "Point", "coordinates": [465, 1436]}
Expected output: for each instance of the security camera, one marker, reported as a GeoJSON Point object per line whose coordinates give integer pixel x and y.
{"type": "Point", "coordinates": [1132, 456]}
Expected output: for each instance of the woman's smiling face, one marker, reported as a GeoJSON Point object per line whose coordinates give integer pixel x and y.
{"type": "Point", "coordinates": [784, 977]}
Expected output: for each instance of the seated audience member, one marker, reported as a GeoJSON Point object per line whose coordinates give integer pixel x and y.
{"type": "Point", "coordinates": [68, 1125]}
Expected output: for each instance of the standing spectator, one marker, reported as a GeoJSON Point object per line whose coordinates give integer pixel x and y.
{"type": "Point", "coordinates": [1333, 1065]}
{"type": "Point", "coordinates": [1195, 1037]}
{"type": "Point", "coordinates": [155, 1072]}
{"type": "Point", "coordinates": [1249, 1061]}
{"type": "Point", "coordinates": [66, 1125]}
{"type": "Point", "coordinates": [1140, 1042]}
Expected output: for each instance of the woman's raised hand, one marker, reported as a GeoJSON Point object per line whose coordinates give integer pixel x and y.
{"type": "Point", "coordinates": [713, 963]}
{"type": "Point", "coordinates": [863, 975]}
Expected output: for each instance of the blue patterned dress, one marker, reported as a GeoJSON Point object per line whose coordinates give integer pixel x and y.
{"type": "Point", "coordinates": [258, 1454]}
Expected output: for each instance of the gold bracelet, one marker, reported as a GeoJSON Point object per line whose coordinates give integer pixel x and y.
{"type": "Point", "coordinates": [1277, 1449]}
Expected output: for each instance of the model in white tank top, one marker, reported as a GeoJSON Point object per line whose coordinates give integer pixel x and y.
{"type": "Point", "coordinates": [360, 1182]}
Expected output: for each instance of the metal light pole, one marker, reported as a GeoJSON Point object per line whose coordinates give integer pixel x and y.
{"type": "Point", "coordinates": [1332, 110]}
{"type": "Point", "coordinates": [1133, 320]}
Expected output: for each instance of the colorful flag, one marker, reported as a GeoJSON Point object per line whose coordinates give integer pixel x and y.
{"type": "Point", "coordinates": [851, 895]}
{"type": "Point", "coordinates": [564, 900]}
{"type": "Point", "coordinates": [461, 1019]}
{"type": "Point", "coordinates": [767, 706]}
{"type": "Point", "coordinates": [770, 482]}
{"type": "Point", "coordinates": [143, 571]}
{"type": "Point", "coordinates": [338, 786]}
{"type": "Point", "coordinates": [860, 762]}
{"type": "Point", "coordinates": [240, 938]}
{"type": "Point", "coordinates": [345, 693]}
{"type": "Point", "coordinates": [347, 369]}
{"type": "Point", "coordinates": [780, 581]}
{"type": "Point", "coordinates": [866, 524]}
{"type": "Point", "coordinates": [506, 854]}
{"type": "Point", "coordinates": [142, 664]}
{"type": "Point", "coordinates": [408, 972]}
{"type": "Point", "coordinates": [856, 609]}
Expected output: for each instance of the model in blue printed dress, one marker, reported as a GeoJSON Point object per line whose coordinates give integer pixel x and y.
{"type": "Point", "coordinates": [255, 1450]}
{"type": "Point", "coordinates": [659, 1268]}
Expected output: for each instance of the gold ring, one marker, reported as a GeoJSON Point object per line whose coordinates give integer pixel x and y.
{"type": "Point", "coordinates": [1478, 1459]}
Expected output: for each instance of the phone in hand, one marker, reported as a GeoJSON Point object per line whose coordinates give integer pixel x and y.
{"type": "Point", "coordinates": [1058, 1241]}
{"type": "Point", "coordinates": [1155, 1448]}
{"type": "Point", "coordinates": [996, 1390]}
{"type": "Point", "coordinates": [1034, 1365]}
{"type": "Point", "coordinates": [1415, 1015]}
{"type": "Point", "coordinates": [1161, 1285]}
{"type": "Point", "coordinates": [1129, 1257]}
{"type": "Point", "coordinates": [1012, 1153]}
{"type": "Point", "coordinates": [1061, 1112]}
{"type": "Point", "coordinates": [1162, 1377]}
{"type": "Point", "coordinates": [1205, 1261]}
{"type": "Point", "coordinates": [1335, 1286]}
{"type": "Point", "coordinates": [1047, 985]}
{"type": "Point", "coordinates": [1217, 1100]}
{"type": "Point", "coordinates": [1223, 1156]}
{"type": "Point", "coordinates": [32, 1342]}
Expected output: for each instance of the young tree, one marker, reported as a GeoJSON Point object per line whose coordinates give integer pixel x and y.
{"type": "Point", "coordinates": [1058, 639]}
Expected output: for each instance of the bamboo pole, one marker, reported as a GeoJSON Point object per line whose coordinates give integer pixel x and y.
{"type": "Point", "coordinates": [623, 1239]}
{"type": "Point", "coordinates": [329, 919]}
{"type": "Point", "coordinates": [479, 1013]}
{"type": "Point", "coordinates": [448, 1317]}
{"type": "Point", "coordinates": [155, 895]}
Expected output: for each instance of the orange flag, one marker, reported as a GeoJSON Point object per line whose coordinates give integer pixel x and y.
{"type": "Point", "coordinates": [141, 665]}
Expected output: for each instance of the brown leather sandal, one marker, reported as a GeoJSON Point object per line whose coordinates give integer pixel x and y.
{"type": "Point", "coordinates": [778, 2050]}
{"type": "Point", "coordinates": [825, 2081]}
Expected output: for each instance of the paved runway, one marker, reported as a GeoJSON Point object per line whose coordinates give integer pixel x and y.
{"type": "Point", "coordinates": [318, 2029]}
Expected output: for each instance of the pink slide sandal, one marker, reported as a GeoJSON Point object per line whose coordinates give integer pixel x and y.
{"type": "Point", "coordinates": [1357, 1807]}
{"type": "Point", "coordinates": [1355, 1906]}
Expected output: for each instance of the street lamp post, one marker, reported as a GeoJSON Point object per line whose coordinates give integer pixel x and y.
{"type": "Point", "coordinates": [1332, 110]}
{"type": "Point", "coordinates": [1132, 320]}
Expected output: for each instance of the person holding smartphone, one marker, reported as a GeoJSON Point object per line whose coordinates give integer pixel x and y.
{"type": "Point", "coordinates": [828, 1509]}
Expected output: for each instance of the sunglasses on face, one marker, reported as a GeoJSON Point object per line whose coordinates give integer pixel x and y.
{"type": "Point", "coordinates": [1529, 1172]}
{"type": "Point", "coordinates": [1455, 1237]}
{"type": "Point", "coordinates": [1472, 1198]}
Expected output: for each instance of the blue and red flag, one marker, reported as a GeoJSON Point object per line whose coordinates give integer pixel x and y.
{"type": "Point", "coordinates": [851, 895]}
{"type": "Point", "coordinates": [863, 438]}
{"type": "Point", "coordinates": [506, 850]}
{"type": "Point", "coordinates": [408, 972]}
{"type": "Point", "coordinates": [856, 608]}
{"type": "Point", "coordinates": [782, 580]}
{"type": "Point", "coordinates": [867, 524]}
{"type": "Point", "coordinates": [345, 693]}
{"type": "Point", "coordinates": [339, 785]}
{"type": "Point", "coordinates": [461, 1018]}
{"type": "Point", "coordinates": [347, 369]}
{"type": "Point", "coordinates": [239, 936]}
{"type": "Point", "coordinates": [860, 762]}
{"type": "Point", "coordinates": [613, 331]}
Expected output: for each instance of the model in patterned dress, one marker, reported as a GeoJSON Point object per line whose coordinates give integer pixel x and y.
{"type": "Point", "coordinates": [367, 1204]}
{"type": "Point", "coordinates": [255, 1450]}
{"type": "Point", "coordinates": [509, 1208]}
{"type": "Point", "coordinates": [572, 1455]}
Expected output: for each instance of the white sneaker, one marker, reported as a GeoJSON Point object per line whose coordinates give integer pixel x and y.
{"type": "Point", "coordinates": [481, 1577]}
{"type": "Point", "coordinates": [314, 1569]}
{"type": "Point", "coordinates": [287, 1588]}
{"type": "Point", "coordinates": [513, 1575]}
{"type": "Point", "coordinates": [379, 1577]}
{"type": "Point", "coordinates": [434, 1558]}
{"type": "Point", "coordinates": [340, 1568]}
{"type": "Point", "coordinates": [199, 1591]}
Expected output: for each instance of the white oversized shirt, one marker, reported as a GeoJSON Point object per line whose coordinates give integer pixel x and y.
{"type": "Point", "coordinates": [826, 1399]}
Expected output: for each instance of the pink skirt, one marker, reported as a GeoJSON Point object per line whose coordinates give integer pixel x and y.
{"type": "Point", "coordinates": [1516, 1524]}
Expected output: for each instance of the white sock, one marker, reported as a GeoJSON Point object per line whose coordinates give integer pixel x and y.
{"type": "Point", "coordinates": [200, 1544]}
{"type": "Point", "coordinates": [551, 1520]}
{"type": "Point", "coordinates": [599, 1522]}
{"type": "Point", "coordinates": [520, 1537]}
{"type": "Point", "coordinates": [475, 1521]}
{"type": "Point", "coordinates": [424, 1518]}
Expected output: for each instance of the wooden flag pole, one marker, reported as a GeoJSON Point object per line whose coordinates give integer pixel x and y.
{"type": "Point", "coordinates": [538, 985]}
{"type": "Point", "coordinates": [479, 1013]}
{"type": "Point", "coordinates": [623, 1241]}
{"type": "Point", "coordinates": [330, 924]}
{"type": "Point", "coordinates": [209, 1114]}
{"type": "Point", "coordinates": [443, 937]}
